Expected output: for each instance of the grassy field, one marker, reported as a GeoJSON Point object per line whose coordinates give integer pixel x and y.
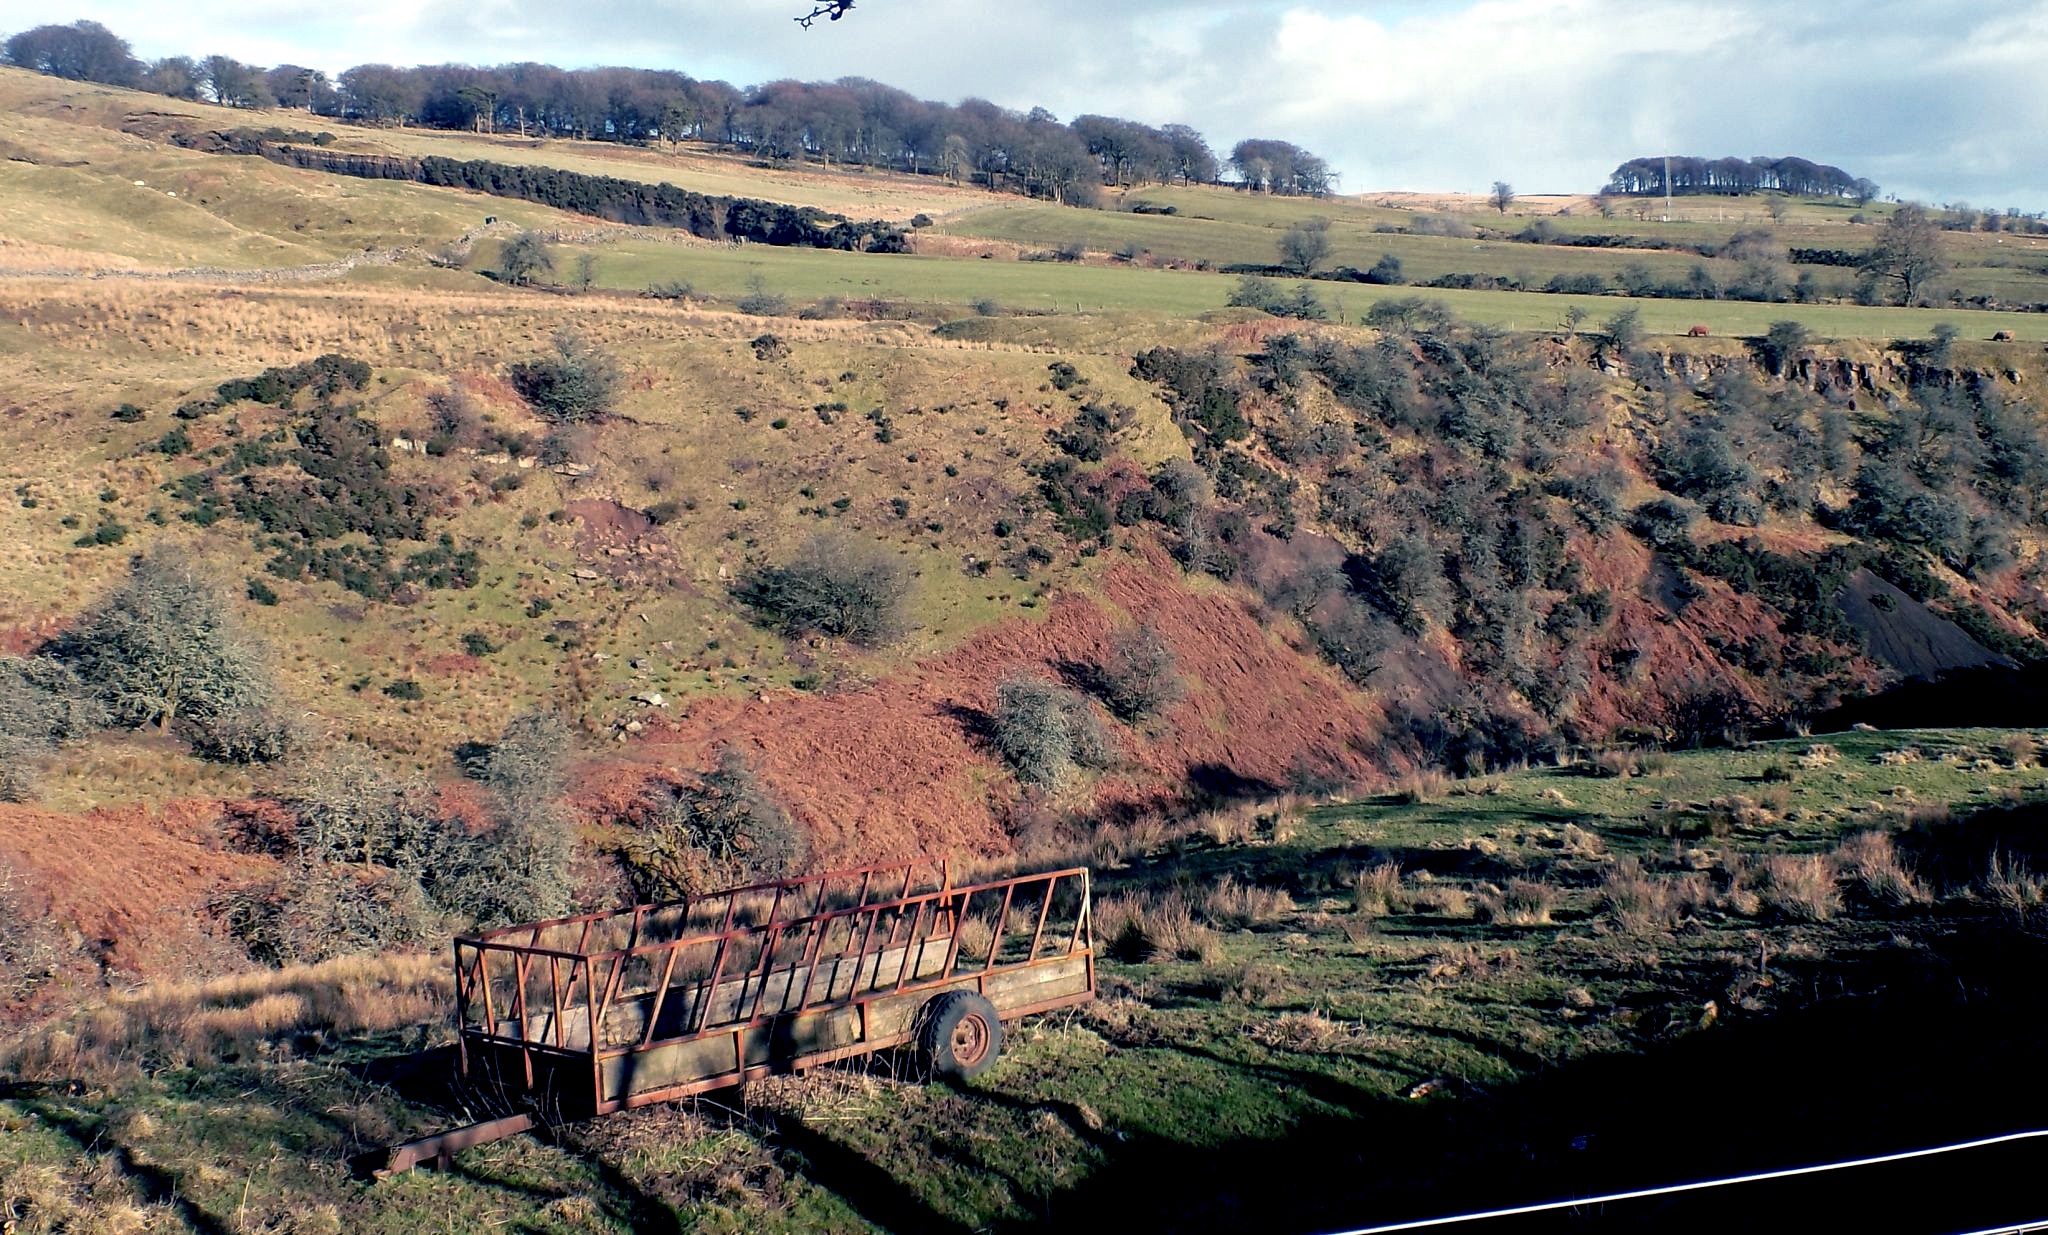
{"type": "Point", "coordinates": [1302, 1013]}
{"type": "Point", "coordinates": [805, 276]}
{"type": "Point", "coordinates": [1221, 227]}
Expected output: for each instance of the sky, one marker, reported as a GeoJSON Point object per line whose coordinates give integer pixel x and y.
{"type": "Point", "coordinates": [1942, 101]}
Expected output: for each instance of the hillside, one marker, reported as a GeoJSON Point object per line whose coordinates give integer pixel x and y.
{"type": "Point", "coordinates": [1417, 675]}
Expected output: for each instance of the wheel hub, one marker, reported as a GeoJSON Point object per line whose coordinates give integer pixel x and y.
{"type": "Point", "coordinates": [970, 1040]}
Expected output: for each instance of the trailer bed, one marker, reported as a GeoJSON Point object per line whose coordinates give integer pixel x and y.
{"type": "Point", "coordinates": [586, 1015]}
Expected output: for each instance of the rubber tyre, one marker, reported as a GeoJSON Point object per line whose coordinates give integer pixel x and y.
{"type": "Point", "coordinates": [961, 1035]}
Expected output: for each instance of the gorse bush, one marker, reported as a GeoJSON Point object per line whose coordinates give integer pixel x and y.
{"type": "Point", "coordinates": [575, 384]}
{"type": "Point", "coordinates": [834, 586]}
{"type": "Point", "coordinates": [720, 829]}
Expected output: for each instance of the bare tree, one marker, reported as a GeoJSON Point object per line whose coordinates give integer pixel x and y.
{"type": "Point", "coordinates": [1304, 246]}
{"type": "Point", "coordinates": [1909, 252]}
{"type": "Point", "coordinates": [1502, 196]}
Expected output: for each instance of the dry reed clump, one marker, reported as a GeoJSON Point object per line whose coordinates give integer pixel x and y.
{"type": "Point", "coordinates": [1243, 905]}
{"type": "Point", "coordinates": [1468, 960]}
{"type": "Point", "coordinates": [1726, 816]}
{"type": "Point", "coordinates": [1819, 755]}
{"type": "Point", "coordinates": [1523, 902]}
{"type": "Point", "coordinates": [177, 1026]}
{"type": "Point", "coordinates": [1801, 887]}
{"type": "Point", "coordinates": [1158, 928]}
{"type": "Point", "coordinates": [1638, 902]}
{"type": "Point", "coordinates": [1898, 758]}
{"type": "Point", "coordinates": [976, 937]}
{"type": "Point", "coordinates": [1308, 1033]}
{"type": "Point", "coordinates": [2014, 888]}
{"type": "Point", "coordinates": [1251, 984]}
{"type": "Point", "coordinates": [1231, 825]}
{"type": "Point", "coordinates": [1378, 891]}
{"type": "Point", "coordinates": [1442, 900]}
{"type": "Point", "coordinates": [2018, 750]}
{"type": "Point", "coordinates": [89, 1194]}
{"type": "Point", "coordinates": [1872, 861]}
{"type": "Point", "coordinates": [1580, 843]}
{"type": "Point", "coordinates": [1626, 762]}
{"type": "Point", "coordinates": [1422, 787]}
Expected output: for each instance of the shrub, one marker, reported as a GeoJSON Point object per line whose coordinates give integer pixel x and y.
{"type": "Point", "coordinates": [1137, 676]}
{"type": "Point", "coordinates": [319, 912]}
{"type": "Point", "coordinates": [164, 646]}
{"type": "Point", "coordinates": [128, 413]}
{"type": "Point", "coordinates": [834, 586]}
{"type": "Point", "coordinates": [760, 302]}
{"type": "Point", "coordinates": [719, 829]}
{"type": "Point", "coordinates": [769, 348]}
{"type": "Point", "coordinates": [1046, 732]}
{"type": "Point", "coordinates": [258, 734]}
{"type": "Point", "coordinates": [576, 384]}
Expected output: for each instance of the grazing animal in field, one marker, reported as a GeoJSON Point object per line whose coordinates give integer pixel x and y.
{"type": "Point", "coordinates": [1699, 332]}
{"type": "Point", "coordinates": [2003, 336]}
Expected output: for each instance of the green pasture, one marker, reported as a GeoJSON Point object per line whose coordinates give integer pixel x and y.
{"type": "Point", "coordinates": [810, 275]}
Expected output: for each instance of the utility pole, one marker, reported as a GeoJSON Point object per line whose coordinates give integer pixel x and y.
{"type": "Point", "coordinates": [1667, 188]}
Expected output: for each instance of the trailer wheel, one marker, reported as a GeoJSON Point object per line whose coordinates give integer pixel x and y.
{"type": "Point", "coordinates": [961, 1035]}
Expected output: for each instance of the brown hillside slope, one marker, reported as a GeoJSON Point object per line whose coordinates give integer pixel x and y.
{"type": "Point", "coordinates": [133, 882]}
{"type": "Point", "coordinates": [897, 768]}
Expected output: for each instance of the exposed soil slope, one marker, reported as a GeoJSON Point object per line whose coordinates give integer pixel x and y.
{"type": "Point", "coordinates": [901, 767]}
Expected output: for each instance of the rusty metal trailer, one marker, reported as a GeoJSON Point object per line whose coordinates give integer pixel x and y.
{"type": "Point", "coordinates": [583, 1016]}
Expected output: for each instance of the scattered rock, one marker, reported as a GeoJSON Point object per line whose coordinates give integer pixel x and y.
{"type": "Point", "coordinates": [584, 574]}
{"type": "Point", "coordinates": [652, 698]}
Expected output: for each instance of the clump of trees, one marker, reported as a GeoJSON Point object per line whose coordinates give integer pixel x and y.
{"type": "Point", "coordinates": [849, 121]}
{"type": "Point", "coordinates": [1268, 165]}
{"type": "Point", "coordinates": [1690, 174]}
{"type": "Point", "coordinates": [1265, 295]}
{"type": "Point", "coordinates": [834, 586]}
{"type": "Point", "coordinates": [375, 862]}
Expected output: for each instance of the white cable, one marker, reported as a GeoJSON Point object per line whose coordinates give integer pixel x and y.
{"type": "Point", "coordinates": [1668, 1189]}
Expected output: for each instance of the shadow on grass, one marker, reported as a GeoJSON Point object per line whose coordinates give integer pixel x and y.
{"type": "Point", "coordinates": [1900, 1067]}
